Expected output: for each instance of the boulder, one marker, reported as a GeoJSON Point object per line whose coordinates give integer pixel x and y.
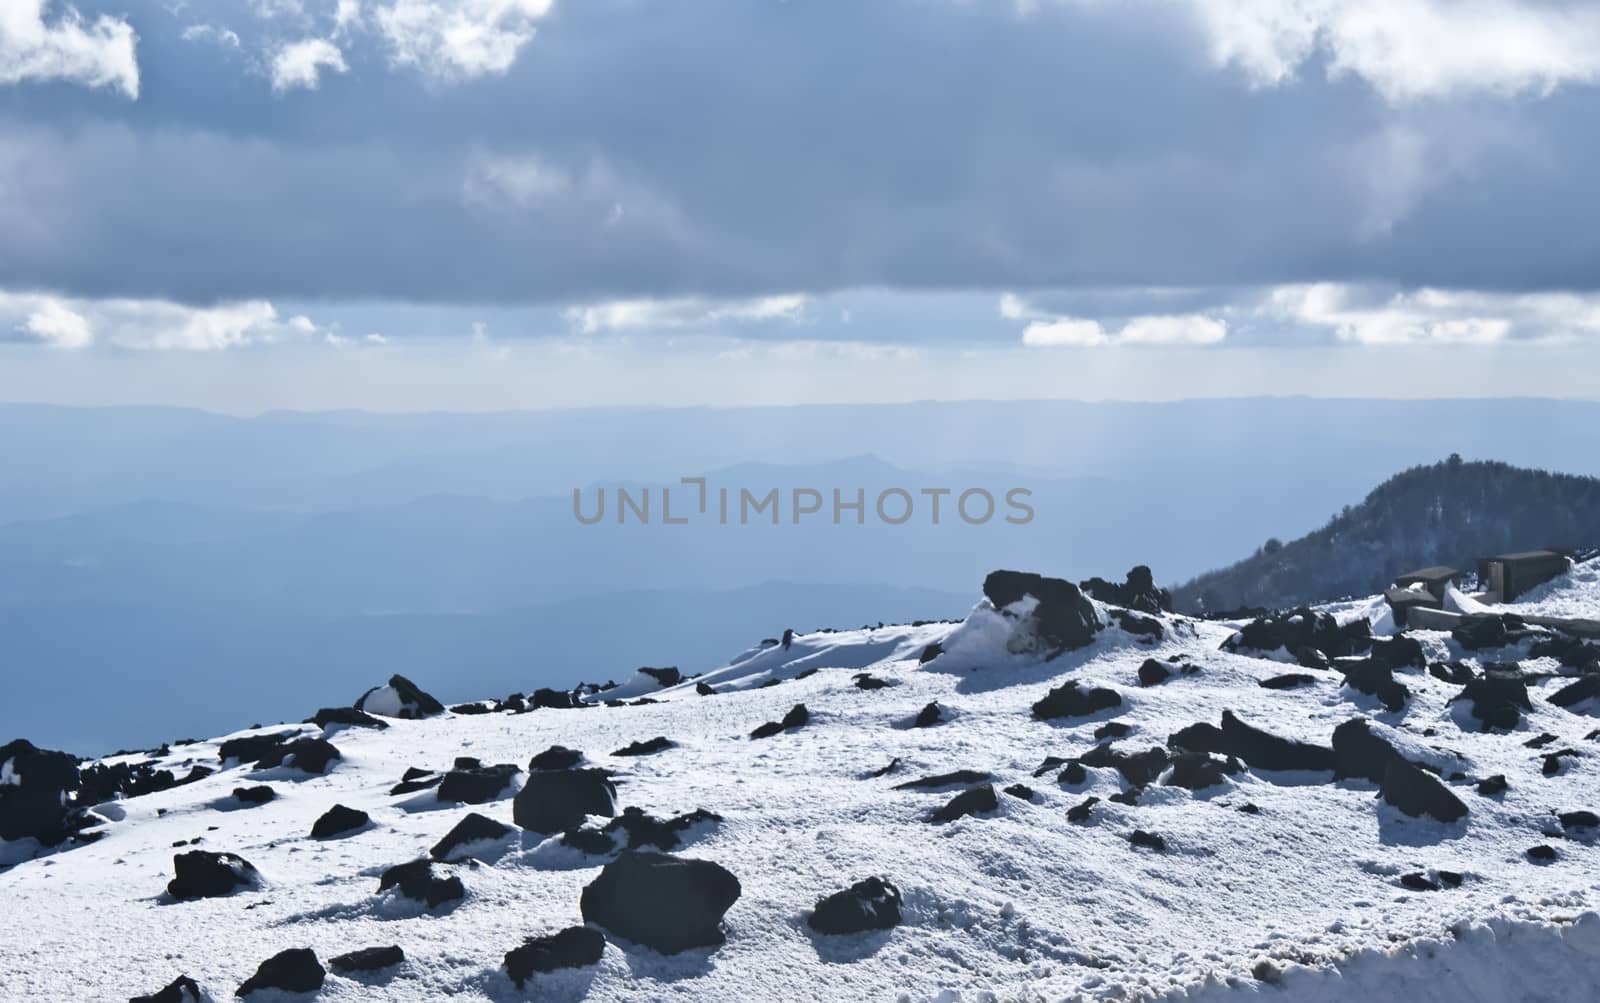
{"type": "Point", "coordinates": [557, 757]}
{"type": "Point", "coordinates": [464, 835]}
{"type": "Point", "coordinates": [1021, 792]}
{"type": "Point", "coordinates": [647, 748]}
{"type": "Point", "coordinates": [417, 879]}
{"type": "Point", "coordinates": [1542, 854]}
{"type": "Point", "coordinates": [928, 716]}
{"type": "Point", "coordinates": [869, 904]}
{"type": "Point", "coordinates": [35, 788]}
{"type": "Point", "coordinates": [367, 959]}
{"type": "Point", "coordinates": [1581, 819]}
{"type": "Point", "coordinates": [960, 778]}
{"type": "Point", "coordinates": [1138, 591]}
{"type": "Point", "coordinates": [868, 681]}
{"type": "Point", "coordinates": [1288, 681]}
{"type": "Point", "coordinates": [1139, 626]}
{"type": "Point", "coordinates": [705, 689]}
{"type": "Point", "coordinates": [1399, 651]}
{"type": "Point", "coordinates": [1491, 630]}
{"type": "Point", "coordinates": [666, 903]}
{"type": "Point", "coordinates": [557, 800]}
{"type": "Point", "coordinates": [1112, 729]}
{"type": "Point", "coordinates": [203, 874]}
{"type": "Point", "coordinates": [553, 699]}
{"type": "Point", "coordinates": [1152, 672]}
{"type": "Point", "coordinates": [1491, 786]}
{"type": "Point", "coordinates": [1147, 840]}
{"type": "Point", "coordinates": [797, 717]}
{"type": "Point", "coordinates": [1586, 688]}
{"type": "Point", "coordinates": [1063, 618]}
{"type": "Point", "coordinates": [330, 717]}
{"type": "Point", "coordinates": [971, 801]}
{"type": "Point", "coordinates": [574, 947]}
{"type": "Point", "coordinates": [664, 677]}
{"type": "Point", "coordinates": [1359, 752]}
{"type": "Point", "coordinates": [296, 970]}
{"type": "Point", "coordinates": [1375, 678]}
{"type": "Point", "coordinates": [1070, 699]}
{"type": "Point", "coordinates": [1196, 771]}
{"type": "Point", "coordinates": [1300, 629]}
{"type": "Point", "coordinates": [1137, 768]}
{"type": "Point", "coordinates": [477, 784]}
{"type": "Point", "coordinates": [639, 830]}
{"type": "Point", "coordinates": [337, 820]}
{"type": "Point", "coordinates": [1416, 792]}
{"type": "Point", "coordinates": [180, 990]}
{"type": "Point", "coordinates": [1080, 812]}
{"type": "Point", "coordinates": [930, 652]}
{"type": "Point", "coordinates": [1258, 748]}
{"type": "Point", "coordinates": [258, 795]}
{"type": "Point", "coordinates": [1498, 699]}
{"type": "Point", "coordinates": [400, 698]}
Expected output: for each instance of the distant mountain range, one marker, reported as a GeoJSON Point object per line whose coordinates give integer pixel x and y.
{"type": "Point", "coordinates": [1448, 513]}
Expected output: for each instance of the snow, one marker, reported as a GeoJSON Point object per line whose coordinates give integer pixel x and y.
{"type": "Point", "coordinates": [1019, 905]}
{"type": "Point", "coordinates": [386, 701]}
{"type": "Point", "coordinates": [1575, 594]}
{"type": "Point", "coordinates": [8, 773]}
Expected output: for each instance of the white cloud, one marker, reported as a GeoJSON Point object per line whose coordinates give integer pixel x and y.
{"type": "Point", "coordinates": [348, 12]}
{"type": "Point", "coordinates": [1409, 49]}
{"type": "Point", "coordinates": [211, 33]}
{"type": "Point", "coordinates": [149, 324]}
{"type": "Point", "coordinates": [1433, 316]}
{"type": "Point", "coordinates": [300, 64]}
{"type": "Point", "coordinates": [98, 53]}
{"type": "Point", "coordinates": [459, 39]}
{"type": "Point", "coordinates": [526, 181]}
{"type": "Point", "coordinates": [1045, 330]}
{"type": "Point", "coordinates": [648, 314]}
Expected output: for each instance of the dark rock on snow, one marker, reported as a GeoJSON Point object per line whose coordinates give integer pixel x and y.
{"type": "Point", "coordinates": [180, 990]}
{"type": "Point", "coordinates": [1080, 811]}
{"type": "Point", "coordinates": [414, 702]}
{"type": "Point", "coordinates": [1137, 768]}
{"type": "Point", "coordinates": [797, 717]}
{"type": "Point", "coordinates": [1376, 678]}
{"type": "Point", "coordinates": [1138, 591]}
{"type": "Point", "coordinates": [339, 819]}
{"type": "Point", "coordinates": [474, 828]}
{"type": "Point", "coordinates": [1578, 820]}
{"type": "Point", "coordinates": [557, 800]}
{"type": "Point", "coordinates": [557, 757]}
{"type": "Point", "coordinates": [971, 801]}
{"type": "Point", "coordinates": [348, 716]}
{"type": "Point", "coordinates": [658, 744]}
{"type": "Point", "coordinates": [1258, 748]}
{"type": "Point", "coordinates": [1112, 729]}
{"type": "Point", "coordinates": [664, 677]}
{"type": "Point", "coordinates": [666, 903]}
{"type": "Point", "coordinates": [1542, 853]}
{"type": "Point", "coordinates": [1302, 629]}
{"type": "Point", "coordinates": [1148, 840]}
{"type": "Point", "coordinates": [477, 784]}
{"type": "Point", "coordinates": [640, 830]}
{"type": "Point", "coordinates": [1064, 618]}
{"type": "Point", "coordinates": [928, 716]}
{"type": "Point", "coordinates": [959, 777]}
{"type": "Point", "coordinates": [1153, 672]}
{"type": "Point", "coordinates": [1288, 681]}
{"type": "Point", "coordinates": [1498, 699]}
{"type": "Point", "coordinates": [1398, 651]}
{"type": "Point", "coordinates": [574, 947]}
{"type": "Point", "coordinates": [296, 970]}
{"type": "Point", "coordinates": [367, 959]}
{"type": "Point", "coordinates": [257, 795]}
{"type": "Point", "coordinates": [36, 806]}
{"type": "Point", "coordinates": [868, 681]}
{"type": "Point", "coordinates": [1072, 700]}
{"type": "Point", "coordinates": [416, 879]}
{"type": "Point", "coordinates": [705, 689]}
{"type": "Point", "coordinates": [203, 874]}
{"type": "Point", "coordinates": [930, 652]}
{"type": "Point", "coordinates": [870, 904]}
{"type": "Point", "coordinates": [552, 699]}
{"type": "Point", "coordinates": [1576, 693]}
{"type": "Point", "coordinates": [1490, 786]}
{"type": "Point", "coordinates": [1020, 791]}
{"type": "Point", "coordinates": [1416, 792]}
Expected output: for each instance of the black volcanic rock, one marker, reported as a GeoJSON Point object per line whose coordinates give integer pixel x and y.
{"type": "Point", "coordinates": [1490, 786]}
{"type": "Point", "coordinates": [339, 819]}
{"type": "Point", "coordinates": [1416, 792]}
{"type": "Point", "coordinates": [574, 947]}
{"type": "Point", "coordinates": [417, 879]}
{"type": "Point", "coordinates": [870, 904]}
{"type": "Point", "coordinates": [557, 757]}
{"type": "Point", "coordinates": [544, 696]}
{"type": "Point", "coordinates": [1573, 694]}
{"type": "Point", "coordinates": [1137, 768]}
{"type": "Point", "coordinates": [1112, 729]}
{"type": "Point", "coordinates": [639, 830]}
{"type": "Point", "coordinates": [477, 784]}
{"type": "Point", "coordinates": [957, 778]}
{"type": "Point", "coordinates": [1070, 699]}
{"type": "Point", "coordinates": [414, 702]}
{"type": "Point", "coordinates": [797, 717]}
{"type": "Point", "coordinates": [928, 716]}
{"type": "Point", "coordinates": [1021, 792]}
{"type": "Point", "coordinates": [666, 903]}
{"type": "Point", "coordinates": [296, 970]}
{"type": "Point", "coordinates": [554, 801]}
{"type": "Point", "coordinates": [348, 716]}
{"type": "Point", "coordinates": [1152, 672]}
{"type": "Point", "coordinates": [367, 959]}
{"type": "Point", "coordinates": [35, 806]}
{"type": "Point", "coordinates": [1147, 840]}
{"type": "Point", "coordinates": [658, 744]}
{"type": "Point", "coordinates": [1080, 812]}
{"type": "Point", "coordinates": [1490, 630]}
{"type": "Point", "coordinates": [1139, 626]}
{"type": "Point", "coordinates": [1579, 820]}
{"type": "Point", "coordinates": [1498, 699]}
{"type": "Point", "coordinates": [929, 653]}
{"type": "Point", "coordinates": [1360, 752]}
{"type": "Point", "coordinates": [1196, 772]}
{"type": "Point", "coordinates": [257, 795]}
{"type": "Point", "coordinates": [1064, 618]}
{"type": "Point", "coordinates": [664, 677]}
{"type": "Point", "coordinates": [1288, 681]}
{"type": "Point", "coordinates": [180, 990]}
{"type": "Point", "coordinates": [1302, 629]}
{"type": "Point", "coordinates": [1542, 853]}
{"type": "Point", "coordinates": [1398, 651]}
{"type": "Point", "coordinates": [1138, 591]}
{"type": "Point", "coordinates": [868, 681]}
{"type": "Point", "coordinates": [1376, 678]}
{"type": "Point", "coordinates": [203, 874]}
{"type": "Point", "coordinates": [971, 801]}
{"type": "Point", "coordinates": [473, 828]}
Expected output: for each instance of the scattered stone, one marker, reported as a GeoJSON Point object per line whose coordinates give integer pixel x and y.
{"type": "Point", "coordinates": [1250, 809]}
{"type": "Point", "coordinates": [368, 959]}
{"type": "Point", "coordinates": [574, 947]}
{"type": "Point", "coordinates": [552, 699]}
{"type": "Point", "coordinates": [401, 698]}
{"type": "Point", "coordinates": [472, 829]}
{"type": "Point", "coordinates": [554, 801]}
{"type": "Point", "coordinates": [1111, 730]}
{"type": "Point", "coordinates": [1020, 791]}
{"type": "Point", "coordinates": [971, 801]}
{"type": "Point", "coordinates": [868, 681]}
{"type": "Point", "coordinates": [477, 784]}
{"type": "Point", "coordinates": [1399, 651]}
{"type": "Point", "coordinates": [1490, 630]}
{"type": "Point", "coordinates": [1553, 762]}
{"type": "Point", "coordinates": [1539, 742]}
{"type": "Point", "coordinates": [1258, 748]}
{"type": "Point", "coordinates": [1129, 797]}
{"type": "Point", "coordinates": [640, 830]}
{"type": "Point", "coordinates": [1137, 768]}
{"type": "Point", "coordinates": [870, 904]}
{"type": "Point", "coordinates": [1148, 840]}
{"type": "Point", "coordinates": [664, 677]}
{"type": "Point", "coordinates": [928, 716]}
{"type": "Point", "coordinates": [1196, 771]}
{"type": "Point", "coordinates": [1302, 629]}
{"type": "Point", "coordinates": [666, 903]}
{"type": "Point", "coordinates": [958, 778]}
{"type": "Point", "coordinates": [1491, 786]}
{"type": "Point", "coordinates": [478, 707]}
{"type": "Point", "coordinates": [1576, 693]}
{"type": "Point", "coordinates": [1418, 882]}
{"type": "Point", "coordinates": [1416, 792]}
{"type": "Point", "coordinates": [1080, 811]}
{"type": "Point", "coordinates": [1138, 591]}
{"type": "Point", "coordinates": [252, 748]}
{"type": "Point", "coordinates": [557, 757]}
{"type": "Point", "coordinates": [705, 689]}
{"type": "Point", "coordinates": [647, 748]}
{"type": "Point", "coordinates": [1288, 681]}
{"type": "Point", "coordinates": [1498, 698]}
{"type": "Point", "coordinates": [296, 970]}
{"type": "Point", "coordinates": [797, 717]}
{"type": "Point", "coordinates": [1376, 678]}
{"type": "Point", "coordinates": [339, 819]}
{"type": "Point", "coordinates": [1072, 700]}
{"type": "Point", "coordinates": [1063, 618]}
{"type": "Point", "coordinates": [1152, 672]}
{"type": "Point", "coordinates": [414, 784]}
{"type": "Point", "coordinates": [349, 716]}
{"type": "Point", "coordinates": [417, 880]}
{"type": "Point", "coordinates": [1579, 820]}
{"type": "Point", "coordinates": [929, 653]}
{"type": "Point", "coordinates": [1074, 774]}
{"type": "Point", "coordinates": [1360, 752]}
{"type": "Point", "coordinates": [180, 990]}
{"type": "Point", "coordinates": [1542, 853]}
{"type": "Point", "coordinates": [202, 874]}
{"type": "Point", "coordinates": [258, 795]}
{"type": "Point", "coordinates": [883, 771]}
{"type": "Point", "coordinates": [1455, 672]}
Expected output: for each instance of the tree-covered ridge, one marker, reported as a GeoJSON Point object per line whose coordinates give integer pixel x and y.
{"type": "Point", "coordinates": [1447, 513]}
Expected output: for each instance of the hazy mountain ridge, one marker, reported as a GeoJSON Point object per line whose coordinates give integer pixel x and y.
{"type": "Point", "coordinates": [1448, 513]}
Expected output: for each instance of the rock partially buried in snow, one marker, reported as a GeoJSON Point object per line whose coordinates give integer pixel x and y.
{"type": "Point", "coordinates": [928, 716]}
{"type": "Point", "coordinates": [339, 820]}
{"type": "Point", "coordinates": [1138, 591]}
{"type": "Point", "coordinates": [972, 801]}
{"type": "Point", "coordinates": [34, 786]}
{"type": "Point", "coordinates": [1498, 698]}
{"type": "Point", "coordinates": [557, 757]}
{"type": "Point", "coordinates": [554, 801]}
{"type": "Point", "coordinates": [1301, 629]}
{"type": "Point", "coordinates": [417, 879]}
{"type": "Point", "coordinates": [666, 903]}
{"type": "Point", "coordinates": [641, 830]}
{"type": "Point", "coordinates": [798, 717]}
{"type": "Point", "coordinates": [1070, 699]}
{"type": "Point", "coordinates": [368, 959]}
{"type": "Point", "coordinates": [180, 990]}
{"type": "Point", "coordinates": [296, 970]}
{"type": "Point", "coordinates": [574, 947]}
{"type": "Point", "coordinates": [477, 784]}
{"type": "Point", "coordinates": [1417, 792]}
{"type": "Point", "coordinates": [664, 677]}
{"type": "Point", "coordinates": [333, 717]}
{"type": "Point", "coordinates": [472, 832]}
{"type": "Point", "coordinates": [870, 904]}
{"type": "Point", "coordinates": [646, 748]}
{"type": "Point", "coordinates": [400, 698]}
{"type": "Point", "coordinates": [1258, 748]}
{"type": "Point", "coordinates": [203, 874]}
{"type": "Point", "coordinates": [1061, 619]}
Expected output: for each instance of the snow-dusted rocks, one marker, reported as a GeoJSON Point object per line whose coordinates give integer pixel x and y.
{"type": "Point", "coordinates": [1375, 677]}
{"type": "Point", "coordinates": [666, 903]}
{"type": "Point", "coordinates": [648, 747]}
{"type": "Point", "coordinates": [256, 794]}
{"type": "Point", "coordinates": [472, 835]}
{"type": "Point", "coordinates": [1260, 749]}
{"type": "Point", "coordinates": [1497, 698]}
{"type": "Point", "coordinates": [339, 820]}
{"type": "Point", "coordinates": [798, 717]}
{"type": "Point", "coordinates": [34, 788]}
{"type": "Point", "coordinates": [203, 874]}
{"type": "Point", "coordinates": [400, 698]}
{"type": "Point", "coordinates": [1072, 699]}
{"type": "Point", "coordinates": [1301, 630]}
{"type": "Point", "coordinates": [421, 881]}
{"type": "Point", "coordinates": [296, 970]}
{"type": "Point", "coordinates": [574, 947]}
{"type": "Point", "coordinates": [477, 784]}
{"type": "Point", "coordinates": [180, 990]}
{"type": "Point", "coordinates": [640, 829]}
{"type": "Point", "coordinates": [1137, 591]}
{"type": "Point", "coordinates": [329, 718]}
{"type": "Point", "coordinates": [554, 801]}
{"type": "Point", "coordinates": [870, 904]}
{"type": "Point", "coordinates": [1417, 792]}
{"type": "Point", "coordinates": [664, 677]}
{"type": "Point", "coordinates": [287, 748]}
{"type": "Point", "coordinates": [367, 959]}
{"type": "Point", "coordinates": [1052, 611]}
{"type": "Point", "coordinates": [972, 801]}
{"type": "Point", "coordinates": [557, 757]}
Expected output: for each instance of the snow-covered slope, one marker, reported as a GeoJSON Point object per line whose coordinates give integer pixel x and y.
{"type": "Point", "coordinates": [1267, 881]}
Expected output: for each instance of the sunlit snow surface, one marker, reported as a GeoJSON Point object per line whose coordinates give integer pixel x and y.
{"type": "Point", "coordinates": [1020, 905]}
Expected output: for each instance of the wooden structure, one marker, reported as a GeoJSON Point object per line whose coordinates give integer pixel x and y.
{"type": "Point", "coordinates": [1507, 576]}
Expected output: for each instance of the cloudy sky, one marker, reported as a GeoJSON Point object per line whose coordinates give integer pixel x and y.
{"type": "Point", "coordinates": [402, 204]}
